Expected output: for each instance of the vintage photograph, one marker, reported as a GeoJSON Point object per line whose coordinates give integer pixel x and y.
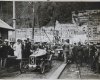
{"type": "Point", "coordinates": [49, 40]}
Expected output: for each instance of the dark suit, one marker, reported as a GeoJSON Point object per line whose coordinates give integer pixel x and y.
{"type": "Point", "coordinates": [27, 49]}
{"type": "Point", "coordinates": [80, 55]}
{"type": "Point", "coordinates": [75, 51]}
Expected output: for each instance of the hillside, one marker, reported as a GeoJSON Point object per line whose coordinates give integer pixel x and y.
{"type": "Point", "coordinates": [45, 12]}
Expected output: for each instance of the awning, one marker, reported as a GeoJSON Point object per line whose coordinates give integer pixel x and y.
{"type": "Point", "coordinates": [5, 25]}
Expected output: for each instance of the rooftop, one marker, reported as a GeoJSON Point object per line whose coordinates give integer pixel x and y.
{"type": "Point", "coordinates": [5, 25]}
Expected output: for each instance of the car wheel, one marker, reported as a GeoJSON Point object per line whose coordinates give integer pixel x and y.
{"type": "Point", "coordinates": [42, 68]}
{"type": "Point", "coordinates": [23, 67]}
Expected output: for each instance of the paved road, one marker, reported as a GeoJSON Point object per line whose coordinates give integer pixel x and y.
{"type": "Point", "coordinates": [31, 75]}
{"type": "Point", "coordinates": [72, 72]}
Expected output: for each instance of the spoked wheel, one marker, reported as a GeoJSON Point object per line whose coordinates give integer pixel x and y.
{"type": "Point", "coordinates": [42, 68]}
{"type": "Point", "coordinates": [49, 65]}
{"type": "Point", "coordinates": [23, 67]}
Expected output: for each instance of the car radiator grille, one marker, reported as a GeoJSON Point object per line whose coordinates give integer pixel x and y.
{"type": "Point", "coordinates": [32, 60]}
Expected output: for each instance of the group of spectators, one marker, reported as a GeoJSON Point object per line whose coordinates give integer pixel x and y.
{"type": "Point", "coordinates": [20, 49]}
{"type": "Point", "coordinates": [88, 54]}
{"type": "Point", "coordinates": [79, 53]}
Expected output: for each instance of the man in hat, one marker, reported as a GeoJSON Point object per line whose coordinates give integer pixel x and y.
{"type": "Point", "coordinates": [24, 53]}
{"type": "Point", "coordinates": [74, 50]}
{"type": "Point", "coordinates": [86, 54]}
{"type": "Point", "coordinates": [28, 48]}
{"type": "Point", "coordinates": [97, 59]}
{"type": "Point", "coordinates": [66, 50]}
{"type": "Point", "coordinates": [92, 51]}
{"type": "Point", "coordinates": [5, 52]}
{"type": "Point", "coordinates": [80, 54]}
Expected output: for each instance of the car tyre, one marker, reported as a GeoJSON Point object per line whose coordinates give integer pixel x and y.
{"type": "Point", "coordinates": [42, 68]}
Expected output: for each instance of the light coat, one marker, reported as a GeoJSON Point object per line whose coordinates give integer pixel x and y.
{"type": "Point", "coordinates": [18, 50]}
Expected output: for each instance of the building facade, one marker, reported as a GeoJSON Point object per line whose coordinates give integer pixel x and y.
{"type": "Point", "coordinates": [90, 18]}
{"type": "Point", "coordinates": [44, 34]}
{"type": "Point", "coordinates": [72, 32]}
{"type": "Point", "coordinates": [24, 33]}
{"type": "Point", "coordinates": [4, 29]}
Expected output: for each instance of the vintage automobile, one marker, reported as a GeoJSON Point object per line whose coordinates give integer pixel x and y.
{"type": "Point", "coordinates": [40, 60]}
{"type": "Point", "coordinates": [58, 53]}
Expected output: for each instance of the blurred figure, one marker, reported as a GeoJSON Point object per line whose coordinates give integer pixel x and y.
{"type": "Point", "coordinates": [24, 49]}
{"type": "Point", "coordinates": [80, 54]}
{"type": "Point", "coordinates": [27, 48]}
{"type": "Point", "coordinates": [74, 51]}
{"type": "Point", "coordinates": [18, 50]}
{"type": "Point", "coordinates": [86, 54]}
{"type": "Point", "coordinates": [92, 51]}
{"type": "Point", "coordinates": [97, 59]}
{"type": "Point", "coordinates": [1, 42]}
{"type": "Point", "coordinates": [26, 45]}
{"type": "Point", "coordinates": [6, 50]}
{"type": "Point", "coordinates": [11, 44]}
{"type": "Point", "coordinates": [66, 50]}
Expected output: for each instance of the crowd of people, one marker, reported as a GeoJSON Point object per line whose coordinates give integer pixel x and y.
{"type": "Point", "coordinates": [77, 53]}
{"type": "Point", "coordinates": [20, 49]}
{"type": "Point", "coordinates": [82, 54]}
{"type": "Point", "coordinates": [88, 54]}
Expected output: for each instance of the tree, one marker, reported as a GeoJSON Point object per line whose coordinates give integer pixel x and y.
{"type": "Point", "coordinates": [46, 12]}
{"type": "Point", "coordinates": [61, 11]}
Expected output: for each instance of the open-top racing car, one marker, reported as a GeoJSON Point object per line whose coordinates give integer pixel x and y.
{"type": "Point", "coordinates": [41, 60]}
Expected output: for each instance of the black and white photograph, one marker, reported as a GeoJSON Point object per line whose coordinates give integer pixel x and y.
{"type": "Point", "coordinates": [49, 40]}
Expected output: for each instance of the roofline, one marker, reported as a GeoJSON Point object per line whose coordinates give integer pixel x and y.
{"type": "Point", "coordinates": [5, 24]}
{"type": "Point", "coordinates": [8, 29]}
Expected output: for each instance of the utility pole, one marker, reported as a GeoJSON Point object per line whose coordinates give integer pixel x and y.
{"type": "Point", "coordinates": [14, 20]}
{"type": "Point", "coordinates": [88, 26]}
{"type": "Point", "coordinates": [54, 20]}
{"type": "Point", "coordinates": [61, 33]}
{"type": "Point", "coordinates": [39, 28]}
{"type": "Point", "coordinates": [33, 22]}
{"type": "Point", "coordinates": [54, 32]}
